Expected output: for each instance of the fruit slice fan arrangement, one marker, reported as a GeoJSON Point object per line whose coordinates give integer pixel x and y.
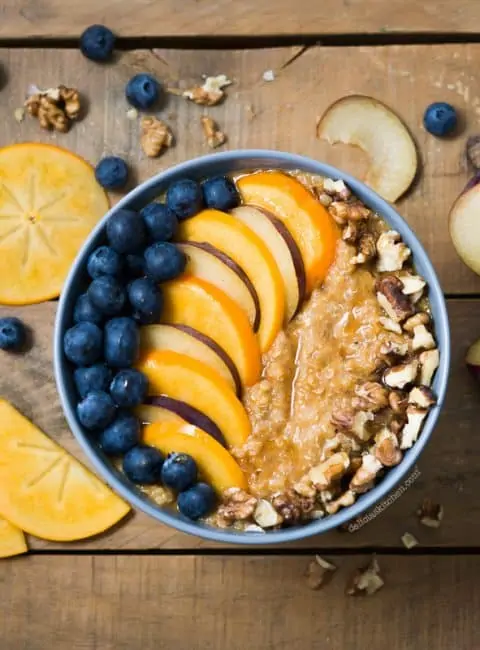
{"type": "Point", "coordinates": [168, 334]}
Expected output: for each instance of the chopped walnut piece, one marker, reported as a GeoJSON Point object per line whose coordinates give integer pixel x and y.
{"type": "Point", "coordinates": [429, 362]}
{"type": "Point", "coordinates": [422, 318]}
{"type": "Point", "coordinates": [156, 136]}
{"type": "Point", "coordinates": [336, 188]}
{"type": "Point", "coordinates": [366, 474]}
{"type": "Point", "coordinates": [55, 107]}
{"type": "Point", "coordinates": [396, 425]}
{"type": "Point", "coordinates": [422, 396]}
{"type": "Point", "coordinates": [366, 249]}
{"type": "Point", "coordinates": [237, 505]}
{"type": "Point", "coordinates": [394, 348]}
{"type": "Point", "coordinates": [305, 488]}
{"type": "Point", "coordinates": [386, 448]}
{"type": "Point", "coordinates": [366, 581]}
{"type": "Point", "coordinates": [390, 325]}
{"type": "Point", "coordinates": [430, 514]}
{"type": "Point", "coordinates": [325, 199]}
{"type": "Point", "coordinates": [422, 339]}
{"type": "Point", "coordinates": [360, 422]}
{"type": "Point", "coordinates": [411, 283]}
{"type": "Point", "coordinates": [210, 93]}
{"type": "Point", "coordinates": [392, 253]}
{"type": "Point", "coordinates": [398, 401]}
{"type": "Point", "coordinates": [265, 514]}
{"type": "Point", "coordinates": [411, 431]}
{"type": "Point", "coordinates": [400, 376]}
{"type": "Point", "coordinates": [389, 294]}
{"type": "Point", "coordinates": [339, 212]}
{"type": "Point", "coordinates": [253, 528]}
{"type": "Point", "coordinates": [215, 138]}
{"type": "Point", "coordinates": [351, 232]}
{"type": "Point", "coordinates": [319, 572]}
{"type": "Point", "coordinates": [288, 508]}
{"type": "Point", "coordinates": [371, 396]}
{"type": "Point", "coordinates": [343, 420]}
{"type": "Point", "coordinates": [332, 469]}
{"type": "Point", "coordinates": [409, 540]}
{"type": "Point", "coordinates": [345, 500]}
{"type": "Point", "coordinates": [342, 211]}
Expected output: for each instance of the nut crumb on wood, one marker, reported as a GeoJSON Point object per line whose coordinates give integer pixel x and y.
{"type": "Point", "coordinates": [155, 137]}
{"type": "Point", "coordinates": [268, 75]}
{"type": "Point", "coordinates": [366, 581]}
{"type": "Point", "coordinates": [319, 572]}
{"type": "Point", "coordinates": [132, 114]}
{"type": "Point", "coordinates": [19, 114]}
{"type": "Point", "coordinates": [409, 540]}
{"type": "Point", "coordinates": [430, 514]}
{"type": "Point", "coordinates": [215, 138]}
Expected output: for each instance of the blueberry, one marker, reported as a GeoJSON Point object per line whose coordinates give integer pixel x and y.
{"type": "Point", "coordinates": [135, 263]}
{"type": "Point", "coordinates": [179, 472]}
{"type": "Point", "coordinates": [85, 312]}
{"type": "Point", "coordinates": [220, 193]}
{"type": "Point", "coordinates": [129, 388]}
{"type": "Point", "coordinates": [161, 223]}
{"type": "Point", "coordinates": [184, 198]}
{"type": "Point", "coordinates": [82, 344]}
{"type": "Point", "coordinates": [112, 173]}
{"type": "Point", "coordinates": [146, 300]}
{"type": "Point", "coordinates": [104, 261]}
{"type": "Point", "coordinates": [12, 333]}
{"type": "Point", "coordinates": [142, 90]}
{"type": "Point", "coordinates": [97, 42]}
{"type": "Point", "coordinates": [143, 464]}
{"type": "Point", "coordinates": [107, 295]}
{"type": "Point", "coordinates": [197, 501]}
{"type": "Point", "coordinates": [164, 261]}
{"type": "Point", "coordinates": [96, 410]}
{"type": "Point", "coordinates": [440, 119]}
{"type": "Point", "coordinates": [97, 377]}
{"type": "Point", "coordinates": [122, 342]}
{"type": "Point", "coordinates": [126, 231]}
{"type": "Point", "coordinates": [121, 435]}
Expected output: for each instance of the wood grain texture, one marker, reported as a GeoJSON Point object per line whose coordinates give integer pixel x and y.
{"type": "Point", "coordinates": [56, 18]}
{"type": "Point", "coordinates": [285, 113]}
{"type": "Point", "coordinates": [125, 603]}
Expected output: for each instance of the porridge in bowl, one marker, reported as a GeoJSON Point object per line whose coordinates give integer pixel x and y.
{"type": "Point", "coordinates": [273, 353]}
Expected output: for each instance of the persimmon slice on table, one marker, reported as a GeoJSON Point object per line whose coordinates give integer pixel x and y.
{"type": "Point", "coordinates": [49, 202]}
{"type": "Point", "coordinates": [12, 539]}
{"type": "Point", "coordinates": [45, 491]}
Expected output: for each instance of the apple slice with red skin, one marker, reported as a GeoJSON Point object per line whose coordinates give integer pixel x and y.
{"type": "Point", "coordinates": [283, 248]}
{"type": "Point", "coordinates": [213, 265]}
{"type": "Point", "coordinates": [464, 224]}
{"type": "Point", "coordinates": [189, 341]}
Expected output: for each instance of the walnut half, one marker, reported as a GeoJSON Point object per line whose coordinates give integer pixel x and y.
{"type": "Point", "coordinates": [156, 136]}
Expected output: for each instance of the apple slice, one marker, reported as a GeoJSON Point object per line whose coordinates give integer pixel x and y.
{"type": "Point", "coordinates": [186, 340]}
{"type": "Point", "coordinates": [198, 304]}
{"type": "Point", "coordinates": [464, 224]}
{"type": "Point", "coordinates": [217, 466]}
{"type": "Point", "coordinates": [188, 380]}
{"type": "Point", "coordinates": [370, 125]}
{"type": "Point", "coordinates": [238, 241]}
{"type": "Point", "coordinates": [283, 248]}
{"type": "Point", "coordinates": [309, 223]}
{"type": "Point", "coordinates": [160, 408]}
{"type": "Point", "coordinates": [212, 265]}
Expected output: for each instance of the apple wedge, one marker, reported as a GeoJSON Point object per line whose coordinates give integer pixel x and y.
{"type": "Point", "coordinates": [186, 340]}
{"type": "Point", "coordinates": [309, 223]}
{"type": "Point", "coordinates": [188, 380]}
{"type": "Point", "coordinates": [239, 242]}
{"type": "Point", "coordinates": [366, 123]}
{"type": "Point", "coordinates": [199, 305]}
{"type": "Point", "coordinates": [206, 262]}
{"type": "Point", "coordinates": [284, 250]}
{"type": "Point", "coordinates": [464, 224]}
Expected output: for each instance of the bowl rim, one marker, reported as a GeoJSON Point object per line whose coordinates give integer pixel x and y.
{"type": "Point", "coordinates": [365, 501]}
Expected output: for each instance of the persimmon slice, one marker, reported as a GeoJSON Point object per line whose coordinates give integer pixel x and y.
{"type": "Point", "coordinates": [12, 539]}
{"type": "Point", "coordinates": [49, 202]}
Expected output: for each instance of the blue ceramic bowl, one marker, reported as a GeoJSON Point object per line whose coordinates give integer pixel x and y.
{"type": "Point", "coordinates": [221, 163]}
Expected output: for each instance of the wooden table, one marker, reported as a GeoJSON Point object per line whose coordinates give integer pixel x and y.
{"type": "Point", "coordinates": [144, 585]}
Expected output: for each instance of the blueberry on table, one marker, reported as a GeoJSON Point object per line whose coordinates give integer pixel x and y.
{"type": "Point", "coordinates": [129, 388]}
{"type": "Point", "coordinates": [184, 198]}
{"type": "Point", "coordinates": [143, 464]}
{"type": "Point", "coordinates": [179, 472]}
{"type": "Point", "coordinates": [220, 193]}
{"type": "Point", "coordinates": [104, 261]}
{"type": "Point", "coordinates": [440, 119]}
{"type": "Point", "coordinates": [112, 173]}
{"type": "Point", "coordinates": [82, 344]}
{"type": "Point", "coordinates": [85, 312]}
{"type": "Point", "coordinates": [134, 263]}
{"type": "Point", "coordinates": [107, 295]}
{"type": "Point", "coordinates": [121, 435]}
{"type": "Point", "coordinates": [96, 410]}
{"type": "Point", "coordinates": [122, 342]}
{"type": "Point", "coordinates": [164, 261]}
{"type": "Point", "coordinates": [97, 43]}
{"type": "Point", "coordinates": [197, 501]}
{"type": "Point", "coordinates": [12, 333]}
{"type": "Point", "coordinates": [91, 378]}
{"type": "Point", "coordinates": [126, 231]}
{"type": "Point", "coordinates": [142, 91]}
{"type": "Point", "coordinates": [146, 300]}
{"type": "Point", "coordinates": [161, 222]}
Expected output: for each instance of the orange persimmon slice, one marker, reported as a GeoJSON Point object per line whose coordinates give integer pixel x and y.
{"type": "Point", "coordinates": [49, 202]}
{"type": "Point", "coordinates": [45, 491]}
{"type": "Point", "coordinates": [12, 539]}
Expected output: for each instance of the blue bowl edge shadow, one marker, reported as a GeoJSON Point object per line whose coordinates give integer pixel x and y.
{"type": "Point", "coordinates": [224, 163]}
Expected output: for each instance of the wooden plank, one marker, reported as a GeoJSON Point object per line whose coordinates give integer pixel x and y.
{"type": "Point", "coordinates": [406, 78]}
{"type": "Point", "coordinates": [120, 603]}
{"type": "Point", "coordinates": [53, 18]}
{"type": "Point", "coordinates": [449, 471]}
